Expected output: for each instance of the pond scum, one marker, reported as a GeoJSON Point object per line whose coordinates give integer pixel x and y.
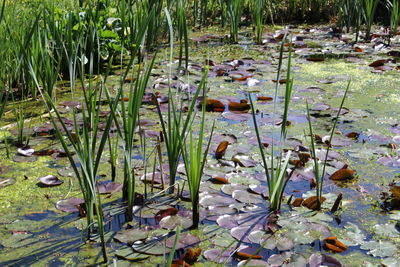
{"type": "Point", "coordinates": [199, 133]}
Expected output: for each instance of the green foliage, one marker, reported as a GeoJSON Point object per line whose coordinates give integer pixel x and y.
{"type": "Point", "coordinates": [277, 177]}
{"type": "Point", "coordinates": [234, 9]}
{"type": "Point", "coordinates": [195, 158]}
{"type": "Point", "coordinates": [318, 173]}
{"type": "Point", "coordinates": [369, 8]}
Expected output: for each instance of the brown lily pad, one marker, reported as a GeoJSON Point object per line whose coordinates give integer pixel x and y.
{"type": "Point", "coordinates": [312, 202]}
{"type": "Point", "coordinates": [220, 152]}
{"type": "Point", "coordinates": [213, 105]}
{"type": "Point", "coordinates": [342, 174]}
{"type": "Point", "coordinates": [234, 106]}
{"type": "Point", "coordinates": [333, 244]}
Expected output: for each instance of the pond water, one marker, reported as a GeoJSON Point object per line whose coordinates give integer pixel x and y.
{"type": "Point", "coordinates": [367, 139]}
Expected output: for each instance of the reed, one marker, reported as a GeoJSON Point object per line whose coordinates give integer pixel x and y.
{"type": "Point", "coordinates": [181, 22]}
{"type": "Point", "coordinates": [84, 142]}
{"type": "Point", "coordinates": [195, 158]}
{"type": "Point", "coordinates": [369, 8]}
{"type": "Point", "coordinates": [234, 10]}
{"type": "Point", "coordinates": [277, 177]}
{"type": "Point", "coordinates": [394, 7]}
{"type": "Point", "coordinates": [318, 172]}
{"type": "Point", "coordinates": [128, 117]}
{"type": "Point", "coordinates": [257, 8]}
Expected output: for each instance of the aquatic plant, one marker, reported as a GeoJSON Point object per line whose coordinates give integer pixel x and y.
{"type": "Point", "coordinates": [195, 158]}
{"type": "Point", "coordinates": [84, 142]}
{"type": "Point", "coordinates": [278, 177]}
{"type": "Point", "coordinates": [129, 117]}
{"type": "Point", "coordinates": [182, 30]}
{"type": "Point", "coordinates": [175, 126]}
{"type": "Point", "coordinates": [394, 7]}
{"type": "Point", "coordinates": [113, 150]}
{"type": "Point", "coordinates": [318, 173]}
{"type": "Point", "coordinates": [22, 136]}
{"type": "Point", "coordinates": [3, 101]}
{"type": "Point", "coordinates": [257, 8]}
{"type": "Point", "coordinates": [234, 9]}
{"type": "Point", "coordinates": [369, 8]}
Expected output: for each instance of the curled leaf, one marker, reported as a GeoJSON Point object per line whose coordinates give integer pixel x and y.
{"type": "Point", "coordinates": [220, 152]}
{"type": "Point", "coordinates": [342, 174]}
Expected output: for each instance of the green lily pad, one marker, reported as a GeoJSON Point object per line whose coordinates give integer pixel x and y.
{"type": "Point", "coordinates": [17, 240]}
{"type": "Point", "coordinates": [130, 255]}
{"type": "Point", "coordinates": [386, 230]}
{"type": "Point", "coordinates": [380, 248]}
{"type": "Point", "coordinates": [130, 236]}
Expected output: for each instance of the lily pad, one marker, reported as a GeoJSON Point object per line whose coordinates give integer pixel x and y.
{"type": "Point", "coordinates": [185, 240]}
{"type": "Point", "coordinates": [50, 180]}
{"type": "Point", "coordinates": [69, 205]}
{"type": "Point", "coordinates": [130, 236]}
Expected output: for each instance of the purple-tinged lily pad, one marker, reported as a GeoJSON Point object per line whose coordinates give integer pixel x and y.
{"type": "Point", "coordinates": [157, 178]}
{"type": "Point", "coordinates": [70, 204]}
{"type": "Point", "coordinates": [390, 161]}
{"type": "Point", "coordinates": [108, 187]}
{"type": "Point", "coordinates": [236, 116]}
{"type": "Point", "coordinates": [246, 197]}
{"type": "Point", "coordinates": [50, 180]}
{"type": "Point", "coordinates": [185, 240]}
{"type": "Point", "coordinates": [244, 161]}
{"type": "Point", "coordinates": [218, 255]}
{"type": "Point", "coordinates": [215, 200]}
{"type": "Point", "coordinates": [171, 222]}
{"type": "Point", "coordinates": [317, 260]}
{"type": "Point", "coordinates": [250, 263]}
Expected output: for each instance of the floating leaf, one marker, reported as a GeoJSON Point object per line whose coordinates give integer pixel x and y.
{"type": "Point", "coordinates": [342, 174]}
{"type": "Point", "coordinates": [151, 247]}
{"type": "Point", "coordinates": [254, 263]}
{"type": "Point", "coordinates": [213, 105]}
{"type": "Point", "coordinates": [130, 255]}
{"type": "Point", "coordinates": [50, 180]}
{"type": "Point", "coordinates": [70, 204]}
{"type": "Point", "coordinates": [17, 240]}
{"type": "Point", "coordinates": [185, 240]}
{"type": "Point", "coordinates": [130, 236]}
{"type": "Point", "coordinates": [395, 191]}
{"type": "Point", "coordinates": [109, 187]}
{"type": "Point", "coordinates": [246, 252]}
{"type": "Point", "coordinates": [317, 260]}
{"type": "Point", "coordinates": [387, 230]}
{"type": "Point", "coordinates": [220, 152]}
{"type": "Point", "coordinates": [171, 222]}
{"type": "Point", "coordinates": [244, 161]}
{"type": "Point", "coordinates": [246, 197]}
{"type": "Point", "coordinates": [380, 248]}
{"type": "Point", "coordinates": [26, 152]}
{"type": "Point", "coordinates": [218, 255]}
{"type": "Point", "coordinates": [333, 244]}
{"type": "Point", "coordinates": [234, 106]}
{"type": "Point", "coordinates": [6, 182]}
